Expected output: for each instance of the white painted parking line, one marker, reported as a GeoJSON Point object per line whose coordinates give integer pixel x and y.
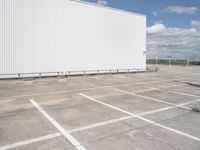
{"type": "Point", "coordinates": [167, 85]}
{"type": "Point", "coordinates": [122, 76]}
{"type": "Point", "coordinates": [182, 93]}
{"type": "Point", "coordinates": [176, 92]}
{"type": "Point", "coordinates": [115, 94]}
{"type": "Point", "coordinates": [70, 138]}
{"type": "Point", "coordinates": [128, 117]}
{"type": "Point", "coordinates": [167, 108]}
{"type": "Point", "coordinates": [30, 141]}
{"type": "Point", "coordinates": [100, 124]}
{"type": "Point", "coordinates": [145, 90]}
{"type": "Point", "coordinates": [97, 78]}
{"type": "Point", "coordinates": [83, 89]}
{"type": "Point", "coordinates": [144, 119]}
{"type": "Point", "coordinates": [43, 138]}
{"type": "Point", "coordinates": [170, 85]}
{"type": "Point", "coordinates": [153, 99]}
{"type": "Point", "coordinates": [26, 95]}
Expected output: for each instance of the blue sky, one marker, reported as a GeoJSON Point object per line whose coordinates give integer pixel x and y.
{"type": "Point", "coordinates": [147, 7]}
{"type": "Point", "coordinates": [173, 26]}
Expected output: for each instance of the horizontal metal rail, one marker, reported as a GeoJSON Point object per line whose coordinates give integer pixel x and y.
{"type": "Point", "coordinates": [70, 73]}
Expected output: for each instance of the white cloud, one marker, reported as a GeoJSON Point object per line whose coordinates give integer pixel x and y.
{"type": "Point", "coordinates": [154, 13]}
{"type": "Point", "coordinates": [156, 28]}
{"type": "Point", "coordinates": [177, 42]}
{"type": "Point", "coordinates": [181, 10]}
{"type": "Point", "coordinates": [158, 22]}
{"type": "Point", "coordinates": [102, 2]}
{"type": "Point", "coordinates": [195, 24]}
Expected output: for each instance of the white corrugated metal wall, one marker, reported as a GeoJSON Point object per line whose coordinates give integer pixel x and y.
{"type": "Point", "coordinates": [63, 35]}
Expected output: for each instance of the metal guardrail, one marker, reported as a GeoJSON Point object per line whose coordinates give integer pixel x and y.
{"type": "Point", "coordinates": [110, 71]}
{"type": "Point", "coordinates": [152, 69]}
{"type": "Point", "coordinates": [69, 73]}
{"type": "Point", "coordinates": [35, 74]}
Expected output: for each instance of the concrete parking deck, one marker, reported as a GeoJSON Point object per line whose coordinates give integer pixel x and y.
{"type": "Point", "coordinates": [121, 111]}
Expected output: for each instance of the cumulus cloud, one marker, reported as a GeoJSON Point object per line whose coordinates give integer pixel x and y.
{"type": "Point", "coordinates": [156, 28]}
{"type": "Point", "coordinates": [102, 2]}
{"type": "Point", "coordinates": [177, 42]}
{"type": "Point", "coordinates": [181, 10]}
{"type": "Point", "coordinates": [195, 24]}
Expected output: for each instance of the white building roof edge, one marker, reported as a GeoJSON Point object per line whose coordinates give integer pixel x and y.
{"type": "Point", "coordinates": [107, 7]}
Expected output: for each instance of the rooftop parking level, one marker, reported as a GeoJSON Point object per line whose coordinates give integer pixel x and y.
{"type": "Point", "coordinates": [140, 111]}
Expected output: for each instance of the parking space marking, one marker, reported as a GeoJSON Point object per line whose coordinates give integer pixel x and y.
{"type": "Point", "coordinates": [116, 94]}
{"type": "Point", "coordinates": [38, 94]}
{"type": "Point", "coordinates": [84, 89]}
{"type": "Point", "coordinates": [30, 141]}
{"type": "Point", "coordinates": [171, 85]}
{"type": "Point", "coordinates": [122, 76]}
{"type": "Point", "coordinates": [100, 124]}
{"type": "Point", "coordinates": [175, 92]}
{"type": "Point", "coordinates": [145, 90]}
{"type": "Point", "coordinates": [128, 117]}
{"type": "Point", "coordinates": [97, 78]}
{"type": "Point", "coordinates": [70, 138]}
{"type": "Point", "coordinates": [186, 94]}
{"type": "Point", "coordinates": [167, 108]}
{"type": "Point", "coordinates": [47, 137]}
{"type": "Point", "coordinates": [144, 119]}
{"type": "Point", "coordinates": [153, 99]}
